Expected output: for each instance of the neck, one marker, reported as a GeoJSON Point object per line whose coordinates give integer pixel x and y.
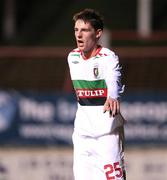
{"type": "Point", "coordinates": [92, 53]}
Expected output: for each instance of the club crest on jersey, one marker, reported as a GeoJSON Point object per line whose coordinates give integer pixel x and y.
{"type": "Point", "coordinates": [96, 71]}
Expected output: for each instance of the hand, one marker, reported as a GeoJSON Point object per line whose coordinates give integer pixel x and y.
{"type": "Point", "coordinates": [113, 106]}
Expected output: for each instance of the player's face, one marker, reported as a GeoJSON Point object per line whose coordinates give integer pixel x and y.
{"type": "Point", "coordinates": [86, 36]}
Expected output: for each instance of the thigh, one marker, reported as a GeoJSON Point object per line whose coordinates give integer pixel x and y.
{"type": "Point", "coordinates": [99, 158]}
{"type": "Point", "coordinates": [82, 163]}
{"type": "Point", "coordinates": [109, 156]}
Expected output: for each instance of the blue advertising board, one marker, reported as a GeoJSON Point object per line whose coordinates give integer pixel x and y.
{"type": "Point", "coordinates": [33, 118]}
{"type": "Point", "coordinates": [36, 118]}
{"type": "Point", "coordinates": [146, 114]}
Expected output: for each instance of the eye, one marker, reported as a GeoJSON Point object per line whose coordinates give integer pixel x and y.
{"type": "Point", "coordinates": [86, 30]}
{"type": "Point", "coordinates": [75, 29]}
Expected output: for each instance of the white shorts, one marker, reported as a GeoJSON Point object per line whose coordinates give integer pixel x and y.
{"type": "Point", "coordinates": [99, 158]}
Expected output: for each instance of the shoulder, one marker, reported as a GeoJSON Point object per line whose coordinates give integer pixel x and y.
{"type": "Point", "coordinates": [109, 54]}
{"type": "Point", "coordinates": [74, 53]}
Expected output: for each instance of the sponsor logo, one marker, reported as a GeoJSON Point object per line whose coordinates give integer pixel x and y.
{"type": "Point", "coordinates": [88, 93]}
{"type": "Point", "coordinates": [75, 62]}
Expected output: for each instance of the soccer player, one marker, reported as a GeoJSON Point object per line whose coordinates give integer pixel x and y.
{"type": "Point", "coordinates": [98, 128]}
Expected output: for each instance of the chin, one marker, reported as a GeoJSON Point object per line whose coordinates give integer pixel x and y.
{"type": "Point", "coordinates": [81, 49]}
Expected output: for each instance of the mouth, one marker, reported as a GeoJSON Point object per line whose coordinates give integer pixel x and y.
{"type": "Point", "coordinates": [80, 43]}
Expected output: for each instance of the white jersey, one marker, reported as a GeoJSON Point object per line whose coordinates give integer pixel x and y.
{"type": "Point", "coordinates": [94, 80]}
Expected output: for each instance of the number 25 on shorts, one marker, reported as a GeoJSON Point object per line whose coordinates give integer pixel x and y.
{"type": "Point", "coordinates": [113, 171]}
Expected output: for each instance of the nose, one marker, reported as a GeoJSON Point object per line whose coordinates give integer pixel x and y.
{"type": "Point", "coordinates": [78, 34]}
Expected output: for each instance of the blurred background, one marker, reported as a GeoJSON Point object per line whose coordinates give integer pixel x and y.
{"type": "Point", "coordinates": [37, 102]}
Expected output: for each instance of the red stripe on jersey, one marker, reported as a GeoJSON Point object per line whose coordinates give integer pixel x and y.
{"type": "Point", "coordinates": [91, 93]}
{"type": "Point", "coordinates": [76, 50]}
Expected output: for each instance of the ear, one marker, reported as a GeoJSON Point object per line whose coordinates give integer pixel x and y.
{"type": "Point", "coordinates": [98, 33]}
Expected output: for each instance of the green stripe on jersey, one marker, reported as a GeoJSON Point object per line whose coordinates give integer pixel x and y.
{"type": "Point", "coordinates": [83, 84]}
{"type": "Point", "coordinates": [75, 55]}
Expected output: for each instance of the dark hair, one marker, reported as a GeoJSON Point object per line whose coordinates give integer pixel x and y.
{"type": "Point", "coordinates": [91, 16]}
